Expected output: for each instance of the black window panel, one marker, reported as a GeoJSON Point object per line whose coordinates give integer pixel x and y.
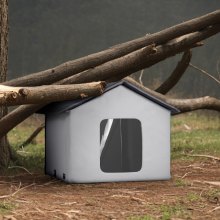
{"type": "Point", "coordinates": [122, 148]}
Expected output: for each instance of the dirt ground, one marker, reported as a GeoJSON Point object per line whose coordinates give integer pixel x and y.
{"type": "Point", "coordinates": [192, 193]}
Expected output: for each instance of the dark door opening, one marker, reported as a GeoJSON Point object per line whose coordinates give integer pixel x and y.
{"type": "Point", "coordinates": [121, 145]}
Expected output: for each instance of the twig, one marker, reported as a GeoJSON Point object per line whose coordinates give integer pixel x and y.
{"type": "Point", "coordinates": [14, 193]}
{"type": "Point", "coordinates": [213, 183]}
{"type": "Point", "coordinates": [140, 77]}
{"type": "Point", "coordinates": [216, 208]}
{"type": "Point", "coordinates": [203, 155]}
{"type": "Point", "coordinates": [204, 72]}
{"type": "Point", "coordinates": [32, 136]}
{"type": "Point", "coordinates": [185, 175]}
{"type": "Point", "coordinates": [23, 168]}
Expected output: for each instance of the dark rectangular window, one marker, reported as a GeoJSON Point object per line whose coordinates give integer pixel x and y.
{"type": "Point", "coordinates": [121, 145]}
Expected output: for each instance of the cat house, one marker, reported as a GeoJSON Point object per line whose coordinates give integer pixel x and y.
{"type": "Point", "coordinates": [122, 135]}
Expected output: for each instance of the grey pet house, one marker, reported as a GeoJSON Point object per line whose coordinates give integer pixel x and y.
{"type": "Point", "coordinates": [122, 135]}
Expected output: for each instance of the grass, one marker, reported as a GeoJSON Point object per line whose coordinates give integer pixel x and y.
{"type": "Point", "coordinates": [180, 183]}
{"type": "Point", "coordinates": [170, 211]}
{"type": "Point", "coordinates": [212, 195]}
{"type": "Point", "coordinates": [193, 197]}
{"type": "Point", "coordinates": [32, 156]}
{"type": "Point", "coordinates": [192, 133]}
{"type": "Point", "coordinates": [195, 134]}
{"type": "Point", "coordinates": [5, 207]}
{"type": "Point", "coordinates": [166, 212]}
{"type": "Point", "coordinates": [145, 217]}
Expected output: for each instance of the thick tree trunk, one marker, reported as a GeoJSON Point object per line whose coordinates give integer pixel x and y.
{"type": "Point", "coordinates": [73, 67]}
{"type": "Point", "coordinates": [50, 93]}
{"type": "Point", "coordinates": [4, 145]}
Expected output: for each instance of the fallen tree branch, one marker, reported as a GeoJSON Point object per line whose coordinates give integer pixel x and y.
{"type": "Point", "coordinates": [187, 105]}
{"type": "Point", "coordinates": [175, 76]}
{"type": "Point", "coordinates": [119, 68]}
{"type": "Point", "coordinates": [20, 114]}
{"type": "Point", "coordinates": [73, 67]}
{"type": "Point", "coordinates": [32, 136]}
{"type": "Point", "coordinates": [50, 93]}
{"type": "Point", "coordinates": [127, 64]}
{"type": "Point", "coordinates": [169, 49]}
{"type": "Point", "coordinates": [16, 116]}
{"type": "Point", "coordinates": [184, 105]}
{"type": "Point", "coordinates": [205, 72]}
{"type": "Point", "coordinates": [105, 71]}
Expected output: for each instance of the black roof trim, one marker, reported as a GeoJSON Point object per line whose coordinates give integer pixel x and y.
{"type": "Point", "coordinates": [58, 107]}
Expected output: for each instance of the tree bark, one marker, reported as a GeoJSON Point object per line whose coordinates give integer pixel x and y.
{"type": "Point", "coordinates": [184, 105]}
{"type": "Point", "coordinates": [5, 151]}
{"type": "Point", "coordinates": [175, 76]}
{"type": "Point", "coordinates": [21, 113]}
{"type": "Point", "coordinates": [119, 68]}
{"type": "Point", "coordinates": [16, 116]}
{"type": "Point", "coordinates": [73, 67]}
{"type": "Point", "coordinates": [111, 72]}
{"type": "Point", "coordinates": [46, 94]}
{"type": "Point", "coordinates": [124, 65]}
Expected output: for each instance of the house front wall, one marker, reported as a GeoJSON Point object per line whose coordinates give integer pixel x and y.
{"type": "Point", "coordinates": [83, 163]}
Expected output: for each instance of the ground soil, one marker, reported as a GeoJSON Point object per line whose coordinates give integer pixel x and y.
{"type": "Point", "coordinates": [188, 194]}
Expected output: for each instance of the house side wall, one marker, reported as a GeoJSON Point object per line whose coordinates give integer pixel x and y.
{"type": "Point", "coordinates": [84, 152]}
{"type": "Point", "coordinates": [57, 144]}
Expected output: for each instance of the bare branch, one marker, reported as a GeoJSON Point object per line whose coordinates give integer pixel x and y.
{"type": "Point", "coordinates": [119, 68]}
{"type": "Point", "coordinates": [164, 51]}
{"type": "Point", "coordinates": [50, 93]}
{"type": "Point", "coordinates": [205, 72]}
{"type": "Point", "coordinates": [124, 65]}
{"type": "Point", "coordinates": [184, 105]}
{"type": "Point", "coordinates": [73, 67]}
{"type": "Point", "coordinates": [17, 116]}
{"type": "Point", "coordinates": [176, 75]}
{"type": "Point", "coordinates": [140, 77]}
{"type": "Point", "coordinates": [119, 71]}
{"type": "Point", "coordinates": [32, 136]}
